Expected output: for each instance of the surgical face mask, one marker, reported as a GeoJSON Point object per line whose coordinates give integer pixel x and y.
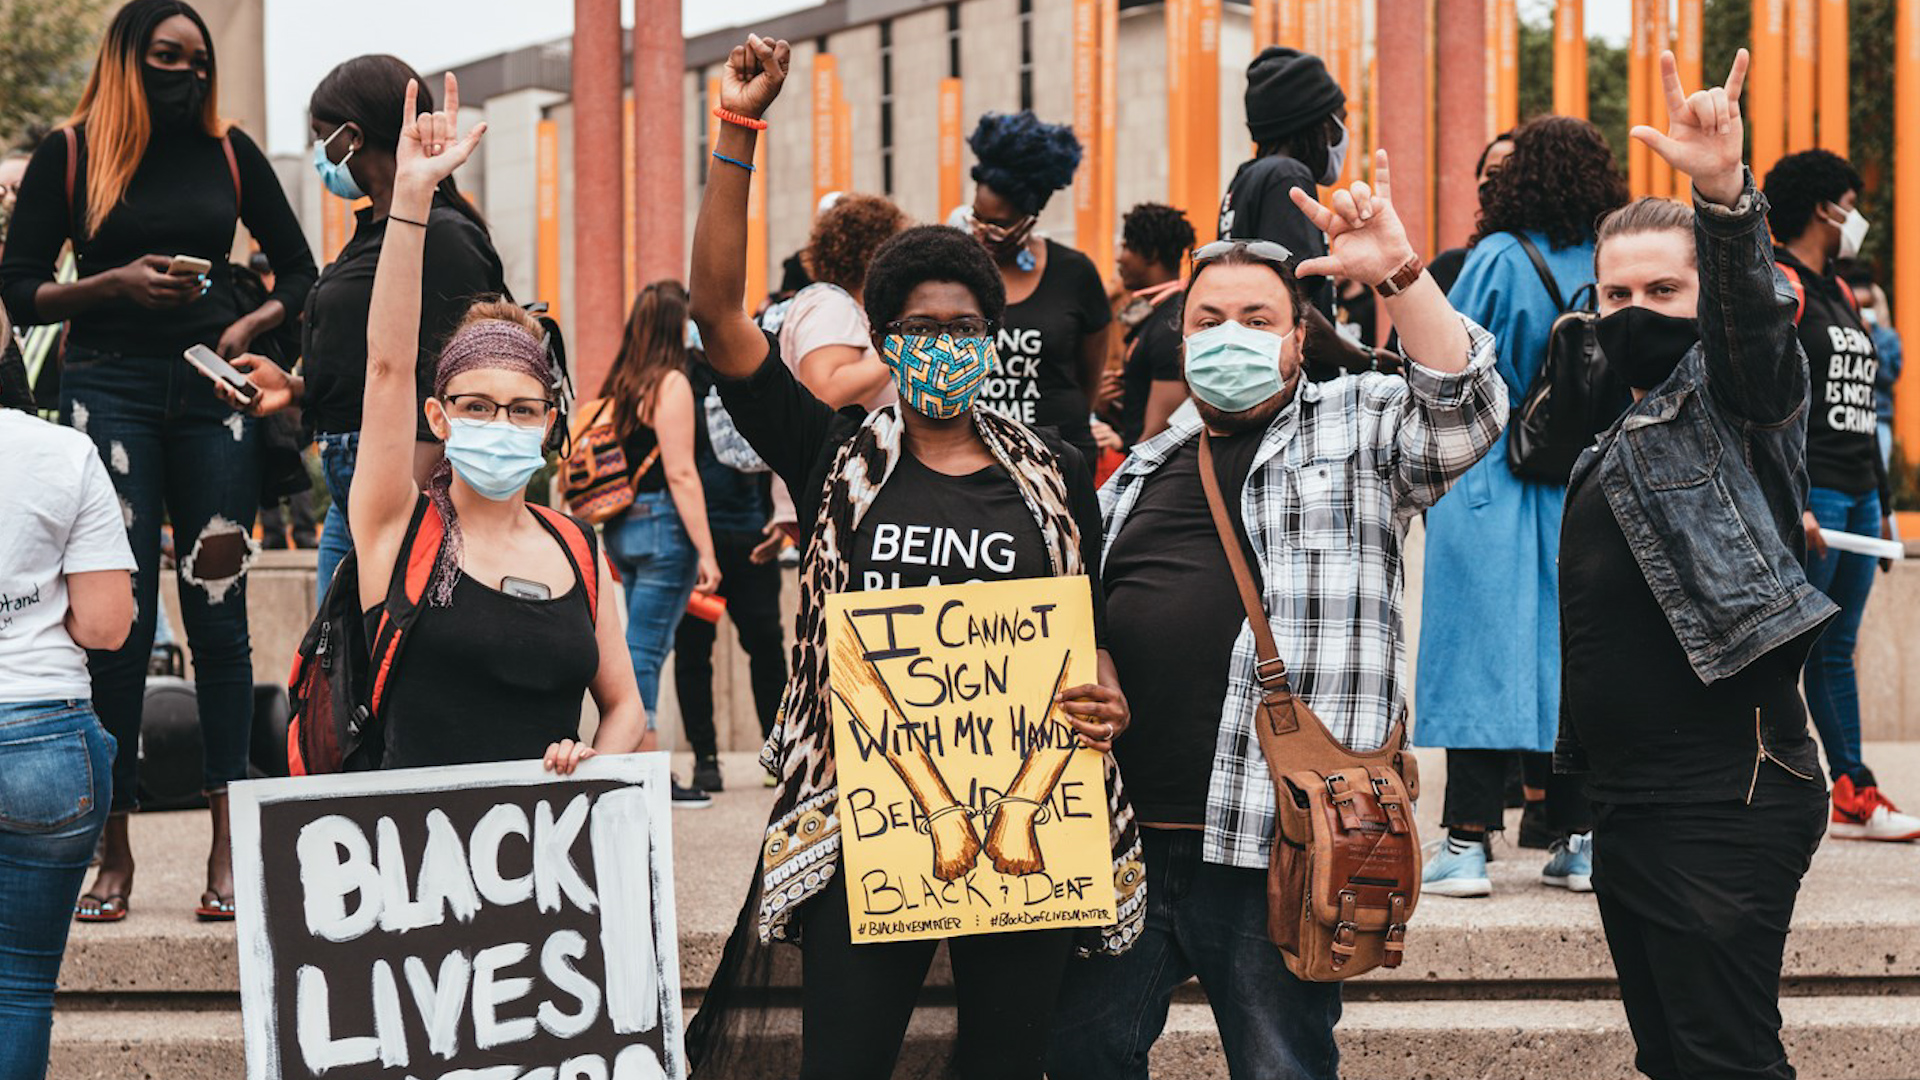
{"type": "Point", "coordinates": [175, 96]}
{"type": "Point", "coordinates": [335, 175]}
{"type": "Point", "coordinates": [693, 335]}
{"type": "Point", "coordinates": [938, 377]}
{"type": "Point", "coordinates": [1233, 367]}
{"type": "Point", "coordinates": [495, 458]}
{"type": "Point", "coordinates": [1643, 345]}
{"type": "Point", "coordinates": [1853, 233]}
{"type": "Point", "coordinates": [1336, 154]}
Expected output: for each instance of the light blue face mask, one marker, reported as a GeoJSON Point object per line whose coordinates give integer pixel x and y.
{"type": "Point", "coordinates": [1233, 367]}
{"type": "Point", "coordinates": [495, 458]}
{"type": "Point", "coordinates": [334, 175]}
{"type": "Point", "coordinates": [1337, 154]}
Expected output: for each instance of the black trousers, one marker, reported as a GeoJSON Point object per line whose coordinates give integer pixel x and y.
{"type": "Point", "coordinates": [1477, 791]}
{"type": "Point", "coordinates": [1696, 900]}
{"type": "Point", "coordinates": [856, 1000]}
{"type": "Point", "coordinates": [753, 605]}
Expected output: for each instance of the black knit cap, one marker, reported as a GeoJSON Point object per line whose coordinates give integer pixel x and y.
{"type": "Point", "coordinates": [1288, 90]}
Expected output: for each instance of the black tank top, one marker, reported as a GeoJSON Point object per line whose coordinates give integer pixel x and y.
{"type": "Point", "coordinates": [490, 677]}
{"type": "Point", "coordinates": [639, 446]}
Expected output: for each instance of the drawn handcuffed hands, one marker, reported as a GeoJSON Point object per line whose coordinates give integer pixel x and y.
{"type": "Point", "coordinates": [1365, 240]}
{"type": "Point", "coordinates": [1704, 131]}
{"type": "Point", "coordinates": [754, 74]}
{"type": "Point", "coordinates": [431, 146]}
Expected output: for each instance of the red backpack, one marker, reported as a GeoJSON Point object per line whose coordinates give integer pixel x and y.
{"type": "Point", "coordinates": [340, 676]}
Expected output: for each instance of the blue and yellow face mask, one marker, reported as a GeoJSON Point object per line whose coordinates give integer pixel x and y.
{"type": "Point", "coordinates": [938, 377]}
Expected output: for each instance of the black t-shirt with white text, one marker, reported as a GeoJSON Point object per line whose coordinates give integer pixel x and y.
{"type": "Point", "coordinates": [1039, 345]}
{"type": "Point", "coordinates": [929, 528]}
{"type": "Point", "coordinates": [1843, 449]}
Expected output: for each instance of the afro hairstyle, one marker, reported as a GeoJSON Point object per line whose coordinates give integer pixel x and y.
{"type": "Point", "coordinates": [1156, 232]}
{"type": "Point", "coordinates": [1797, 185]}
{"type": "Point", "coordinates": [1023, 159]}
{"type": "Point", "coordinates": [931, 253]}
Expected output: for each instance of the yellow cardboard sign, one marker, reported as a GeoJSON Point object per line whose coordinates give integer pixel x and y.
{"type": "Point", "coordinates": [967, 803]}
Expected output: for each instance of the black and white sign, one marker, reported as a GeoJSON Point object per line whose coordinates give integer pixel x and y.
{"type": "Point", "coordinates": [484, 922]}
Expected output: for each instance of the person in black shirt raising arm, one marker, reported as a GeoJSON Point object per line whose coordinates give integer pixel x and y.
{"type": "Point", "coordinates": [932, 491]}
{"type": "Point", "coordinates": [145, 172]}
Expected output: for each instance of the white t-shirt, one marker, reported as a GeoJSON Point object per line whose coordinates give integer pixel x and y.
{"type": "Point", "coordinates": [58, 516]}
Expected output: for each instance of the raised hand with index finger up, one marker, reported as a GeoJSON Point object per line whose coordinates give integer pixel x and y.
{"type": "Point", "coordinates": [1704, 131]}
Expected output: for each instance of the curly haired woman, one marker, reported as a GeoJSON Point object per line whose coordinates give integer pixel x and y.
{"type": "Point", "coordinates": [1489, 676]}
{"type": "Point", "coordinates": [825, 331]}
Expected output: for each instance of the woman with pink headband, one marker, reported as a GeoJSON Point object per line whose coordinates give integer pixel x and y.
{"type": "Point", "coordinates": [509, 638]}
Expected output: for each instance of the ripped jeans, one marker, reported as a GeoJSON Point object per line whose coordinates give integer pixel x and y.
{"type": "Point", "coordinates": [178, 455]}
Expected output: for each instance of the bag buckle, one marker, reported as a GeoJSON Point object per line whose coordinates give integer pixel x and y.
{"type": "Point", "coordinates": [1389, 804]}
{"type": "Point", "coordinates": [1269, 672]}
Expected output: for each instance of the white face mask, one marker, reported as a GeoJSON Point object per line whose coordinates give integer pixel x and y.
{"type": "Point", "coordinates": [1853, 233]}
{"type": "Point", "coordinates": [1337, 155]}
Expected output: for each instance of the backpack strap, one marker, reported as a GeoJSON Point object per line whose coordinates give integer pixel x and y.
{"type": "Point", "coordinates": [1799, 291]}
{"type": "Point", "coordinates": [582, 548]}
{"type": "Point", "coordinates": [1540, 267]}
{"type": "Point", "coordinates": [406, 592]}
{"type": "Point", "coordinates": [73, 165]}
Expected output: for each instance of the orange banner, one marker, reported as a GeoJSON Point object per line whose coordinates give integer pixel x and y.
{"type": "Point", "coordinates": [1289, 26]}
{"type": "Point", "coordinates": [1179, 97]}
{"type": "Point", "coordinates": [1264, 22]}
{"type": "Point", "coordinates": [1660, 29]}
{"type": "Point", "coordinates": [1906, 225]}
{"type": "Point", "coordinates": [546, 208]}
{"type": "Point", "coordinates": [1639, 104]}
{"type": "Point", "coordinates": [1801, 88]}
{"type": "Point", "coordinates": [1086, 125]}
{"type": "Point", "coordinates": [1766, 111]}
{"type": "Point", "coordinates": [825, 113]}
{"type": "Point", "coordinates": [1687, 57]}
{"type": "Point", "coordinates": [1506, 22]}
{"type": "Point", "coordinates": [952, 144]}
{"type": "Point", "coordinates": [1570, 59]}
{"type": "Point", "coordinates": [757, 268]}
{"type": "Point", "coordinates": [1834, 97]}
{"type": "Point", "coordinates": [1109, 131]}
{"type": "Point", "coordinates": [842, 138]}
{"type": "Point", "coordinates": [1203, 123]}
{"type": "Point", "coordinates": [629, 229]}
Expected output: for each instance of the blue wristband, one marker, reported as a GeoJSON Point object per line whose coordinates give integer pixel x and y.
{"type": "Point", "coordinates": [732, 161]}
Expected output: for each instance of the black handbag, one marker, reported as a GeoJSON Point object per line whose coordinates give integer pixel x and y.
{"type": "Point", "coordinates": [1573, 398]}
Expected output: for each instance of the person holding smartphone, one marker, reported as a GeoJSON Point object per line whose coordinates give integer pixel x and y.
{"type": "Point", "coordinates": [158, 174]}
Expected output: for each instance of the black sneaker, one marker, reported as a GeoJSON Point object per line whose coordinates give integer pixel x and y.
{"type": "Point", "coordinates": [1535, 833]}
{"type": "Point", "coordinates": [706, 774]}
{"type": "Point", "coordinates": [689, 798]}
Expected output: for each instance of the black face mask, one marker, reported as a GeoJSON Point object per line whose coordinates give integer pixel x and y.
{"type": "Point", "coordinates": [174, 97]}
{"type": "Point", "coordinates": [1645, 346]}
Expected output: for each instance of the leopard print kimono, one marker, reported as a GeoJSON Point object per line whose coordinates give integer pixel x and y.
{"type": "Point", "coordinates": [802, 848]}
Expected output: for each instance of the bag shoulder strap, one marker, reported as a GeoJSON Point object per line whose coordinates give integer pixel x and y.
{"type": "Point", "coordinates": [579, 542]}
{"type": "Point", "coordinates": [1799, 291]}
{"type": "Point", "coordinates": [1540, 268]}
{"type": "Point", "coordinates": [73, 164]}
{"type": "Point", "coordinates": [1270, 671]}
{"type": "Point", "coordinates": [233, 166]}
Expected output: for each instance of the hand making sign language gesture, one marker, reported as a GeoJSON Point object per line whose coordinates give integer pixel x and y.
{"type": "Point", "coordinates": [1704, 131]}
{"type": "Point", "coordinates": [431, 146]}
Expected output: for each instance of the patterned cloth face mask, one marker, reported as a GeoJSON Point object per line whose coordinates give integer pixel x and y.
{"type": "Point", "coordinates": [938, 376]}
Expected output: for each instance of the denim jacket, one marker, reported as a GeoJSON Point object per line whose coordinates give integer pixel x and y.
{"type": "Point", "coordinates": [1707, 474]}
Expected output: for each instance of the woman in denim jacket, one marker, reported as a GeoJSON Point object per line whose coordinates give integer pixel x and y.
{"type": "Point", "coordinates": [1685, 615]}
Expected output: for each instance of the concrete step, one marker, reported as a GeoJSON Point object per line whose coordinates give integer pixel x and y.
{"type": "Point", "coordinates": [1828, 1038]}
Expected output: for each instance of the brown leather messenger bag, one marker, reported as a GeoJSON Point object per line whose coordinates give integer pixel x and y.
{"type": "Point", "coordinates": [1344, 875]}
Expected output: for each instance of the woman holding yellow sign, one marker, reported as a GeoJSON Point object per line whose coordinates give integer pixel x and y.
{"type": "Point", "coordinates": [931, 492]}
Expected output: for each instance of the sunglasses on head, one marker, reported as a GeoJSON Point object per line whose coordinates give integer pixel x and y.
{"type": "Point", "coordinates": [1265, 250]}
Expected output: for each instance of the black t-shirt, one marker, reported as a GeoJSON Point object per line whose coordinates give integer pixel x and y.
{"type": "Point", "coordinates": [180, 201]}
{"type": "Point", "coordinates": [1038, 382]}
{"type": "Point", "coordinates": [1446, 266]}
{"type": "Point", "coordinates": [1175, 613]}
{"type": "Point", "coordinates": [458, 266]}
{"type": "Point", "coordinates": [1652, 731]}
{"type": "Point", "coordinates": [929, 528]}
{"type": "Point", "coordinates": [1154, 356]}
{"type": "Point", "coordinates": [1258, 206]}
{"type": "Point", "coordinates": [1843, 448]}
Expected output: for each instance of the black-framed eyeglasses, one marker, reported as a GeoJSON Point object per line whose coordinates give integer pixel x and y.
{"type": "Point", "coordinates": [1265, 250]}
{"type": "Point", "coordinates": [521, 412]}
{"type": "Point", "coordinates": [966, 326]}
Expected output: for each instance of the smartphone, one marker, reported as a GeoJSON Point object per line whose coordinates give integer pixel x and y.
{"type": "Point", "coordinates": [215, 367]}
{"type": "Point", "coordinates": [522, 589]}
{"type": "Point", "coordinates": [188, 266]}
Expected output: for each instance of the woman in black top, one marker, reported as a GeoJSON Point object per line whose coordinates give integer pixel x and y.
{"type": "Point", "coordinates": [861, 480]}
{"type": "Point", "coordinates": [508, 638]}
{"type": "Point", "coordinates": [157, 175]}
{"type": "Point", "coordinates": [1052, 341]}
{"type": "Point", "coordinates": [355, 122]}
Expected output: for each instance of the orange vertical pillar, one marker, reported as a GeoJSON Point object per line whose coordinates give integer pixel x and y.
{"type": "Point", "coordinates": [1906, 222]}
{"type": "Point", "coordinates": [757, 268]}
{"type": "Point", "coordinates": [1570, 58]}
{"type": "Point", "coordinates": [1109, 126]}
{"type": "Point", "coordinates": [1203, 121]}
{"type": "Point", "coordinates": [1834, 98]}
{"type": "Point", "coordinates": [1265, 24]}
{"type": "Point", "coordinates": [1766, 94]}
{"type": "Point", "coordinates": [1406, 115]}
{"type": "Point", "coordinates": [1638, 46]}
{"type": "Point", "coordinates": [1460, 50]}
{"type": "Point", "coordinates": [1660, 39]}
{"type": "Point", "coordinates": [629, 187]}
{"type": "Point", "coordinates": [1290, 20]}
{"type": "Point", "coordinates": [1507, 115]}
{"type": "Point", "coordinates": [1086, 126]}
{"type": "Point", "coordinates": [1801, 89]}
{"type": "Point", "coordinates": [1179, 94]}
{"type": "Point", "coordinates": [546, 209]}
{"type": "Point", "coordinates": [1687, 45]}
{"type": "Point", "coordinates": [952, 143]}
{"type": "Point", "coordinates": [824, 115]}
{"type": "Point", "coordinates": [597, 192]}
{"type": "Point", "coordinates": [659, 140]}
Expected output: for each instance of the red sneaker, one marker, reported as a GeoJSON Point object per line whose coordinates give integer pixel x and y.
{"type": "Point", "coordinates": [1865, 814]}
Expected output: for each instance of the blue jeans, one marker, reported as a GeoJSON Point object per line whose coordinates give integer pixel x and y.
{"type": "Point", "coordinates": [1206, 920]}
{"type": "Point", "coordinates": [56, 764]}
{"type": "Point", "coordinates": [657, 565]}
{"type": "Point", "coordinates": [177, 454]}
{"type": "Point", "coordinates": [339, 451]}
{"type": "Point", "coordinates": [1833, 695]}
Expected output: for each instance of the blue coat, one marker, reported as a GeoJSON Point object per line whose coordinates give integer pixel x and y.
{"type": "Point", "coordinates": [1489, 675]}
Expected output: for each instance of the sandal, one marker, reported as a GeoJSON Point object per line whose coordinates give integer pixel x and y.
{"type": "Point", "coordinates": [220, 910]}
{"type": "Point", "coordinates": [110, 908]}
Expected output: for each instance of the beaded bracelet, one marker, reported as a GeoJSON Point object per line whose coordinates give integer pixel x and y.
{"type": "Point", "coordinates": [737, 120]}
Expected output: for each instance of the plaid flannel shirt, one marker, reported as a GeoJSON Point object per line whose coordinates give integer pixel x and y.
{"type": "Point", "coordinates": [1341, 471]}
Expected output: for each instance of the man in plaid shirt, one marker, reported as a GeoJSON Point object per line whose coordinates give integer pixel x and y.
{"type": "Point", "coordinates": [1320, 480]}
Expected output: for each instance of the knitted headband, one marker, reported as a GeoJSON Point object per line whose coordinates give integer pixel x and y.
{"type": "Point", "coordinates": [492, 344]}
